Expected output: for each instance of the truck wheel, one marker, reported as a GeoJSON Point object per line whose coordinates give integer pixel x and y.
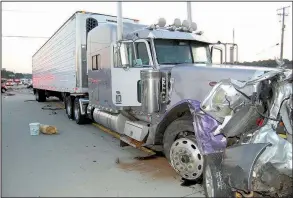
{"type": "Point", "coordinates": [40, 96]}
{"type": "Point", "coordinates": [213, 181]}
{"type": "Point", "coordinates": [181, 150]}
{"type": "Point", "coordinates": [69, 107]}
{"type": "Point", "coordinates": [79, 119]}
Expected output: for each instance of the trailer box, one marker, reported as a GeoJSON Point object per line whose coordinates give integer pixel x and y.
{"type": "Point", "coordinates": [60, 65]}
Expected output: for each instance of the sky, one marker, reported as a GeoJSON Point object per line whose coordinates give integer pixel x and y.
{"type": "Point", "coordinates": [257, 25]}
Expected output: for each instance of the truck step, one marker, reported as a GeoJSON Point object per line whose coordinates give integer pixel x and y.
{"type": "Point", "coordinates": [127, 140]}
{"type": "Point", "coordinates": [136, 144]}
{"type": "Point", "coordinates": [137, 130]}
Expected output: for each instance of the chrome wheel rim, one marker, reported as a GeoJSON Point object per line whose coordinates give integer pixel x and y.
{"type": "Point", "coordinates": [209, 181]}
{"type": "Point", "coordinates": [186, 159]}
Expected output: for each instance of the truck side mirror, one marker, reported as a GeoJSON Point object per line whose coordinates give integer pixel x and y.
{"type": "Point", "coordinates": [124, 54]}
{"type": "Point", "coordinates": [125, 50]}
{"type": "Point", "coordinates": [213, 48]}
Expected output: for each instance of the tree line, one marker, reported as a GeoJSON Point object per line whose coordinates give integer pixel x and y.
{"type": "Point", "coordinates": [266, 63]}
{"type": "Point", "coordinates": [11, 75]}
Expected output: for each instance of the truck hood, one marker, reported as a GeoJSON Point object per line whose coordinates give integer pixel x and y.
{"type": "Point", "coordinates": [193, 81]}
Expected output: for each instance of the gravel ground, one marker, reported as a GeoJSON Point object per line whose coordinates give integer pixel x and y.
{"type": "Point", "coordinates": [81, 161]}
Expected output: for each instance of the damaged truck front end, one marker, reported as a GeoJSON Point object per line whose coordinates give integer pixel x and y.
{"type": "Point", "coordinates": [257, 160]}
{"type": "Point", "coordinates": [185, 130]}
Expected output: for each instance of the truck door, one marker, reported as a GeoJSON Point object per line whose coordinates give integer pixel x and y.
{"type": "Point", "coordinates": [92, 78]}
{"type": "Point", "coordinates": [126, 78]}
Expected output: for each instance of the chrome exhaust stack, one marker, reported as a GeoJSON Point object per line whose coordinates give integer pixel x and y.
{"type": "Point", "coordinates": [119, 21]}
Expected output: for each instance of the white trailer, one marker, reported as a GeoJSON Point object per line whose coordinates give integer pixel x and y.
{"type": "Point", "coordinates": [60, 65]}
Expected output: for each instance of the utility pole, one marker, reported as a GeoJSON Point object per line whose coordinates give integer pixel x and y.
{"type": "Point", "coordinates": [282, 14]}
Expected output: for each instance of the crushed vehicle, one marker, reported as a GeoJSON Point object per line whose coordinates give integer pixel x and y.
{"type": "Point", "coordinates": [144, 82]}
{"type": "Point", "coordinates": [256, 119]}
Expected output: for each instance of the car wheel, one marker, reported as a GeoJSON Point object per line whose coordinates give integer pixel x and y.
{"type": "Point", "coordinates": [3, 90]}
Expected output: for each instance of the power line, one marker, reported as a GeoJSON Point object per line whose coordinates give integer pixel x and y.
{"type": "Point", "coordinates": [26, 37]}
{"type": "Point", "coordinates": [267, 48]}
{"type": "Point", "coordinates": [283, 14]}
{"type": "Point", "coordinates": [25, 11]}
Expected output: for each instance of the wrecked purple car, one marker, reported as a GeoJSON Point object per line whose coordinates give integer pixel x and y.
{"type": "Point", "coordinates": [250, 153]}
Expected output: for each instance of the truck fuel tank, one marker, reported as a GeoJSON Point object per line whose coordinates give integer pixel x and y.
{"type": "Point", "coordinates": [115, 122]}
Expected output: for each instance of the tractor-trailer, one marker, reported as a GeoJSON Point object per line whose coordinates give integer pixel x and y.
{"type": "Point", "coordinates": [145, 82]}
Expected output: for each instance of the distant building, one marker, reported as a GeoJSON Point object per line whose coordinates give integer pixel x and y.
{"type": "Point", "coordinates": [3, 69]}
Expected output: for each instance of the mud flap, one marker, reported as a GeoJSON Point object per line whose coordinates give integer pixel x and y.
{"type": "Point", "coordinates": [238, 164]}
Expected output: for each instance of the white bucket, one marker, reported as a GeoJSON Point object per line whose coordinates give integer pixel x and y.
{"type": "Point", "coordinates": [34, 128]}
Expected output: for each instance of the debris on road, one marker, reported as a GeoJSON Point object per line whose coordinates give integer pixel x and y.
{"type": "Point", "coordinates": [8, 94]}
{"type": "Point", "coordinates": [29, 100]}
{"type": "Point", "coordinates": [34, 128]}
{"type": "Point", "coordinates": [49, 107]}
{"type": "Point", "coordinates": [48, 130]}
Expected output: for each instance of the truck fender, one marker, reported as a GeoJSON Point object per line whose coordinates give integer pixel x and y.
{"type": "Point", "coordinates": [238, 164]}
{"type": "Point", "coordinates": [204, 125]}
{"type": "Point", "coordinates": [83, 105]}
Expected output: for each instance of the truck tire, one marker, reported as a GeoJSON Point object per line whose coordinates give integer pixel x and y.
{"type": "Point", "coordinates": [40, 96]}
{"type": "Point", "coordinates": [181, 150]}
{"type": "Point", "coordinates": [79, 119]}
{"type": "Point", "coordinates": [69, 107]}
{"type": "Point", "coordinates": [213, 181]}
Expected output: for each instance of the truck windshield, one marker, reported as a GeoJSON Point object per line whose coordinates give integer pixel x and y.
{"type": "Point", "coordinates": [179, 52]}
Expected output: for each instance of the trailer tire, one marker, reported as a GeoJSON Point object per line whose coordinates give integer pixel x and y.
{"type": "Point", "coordinates": [69, 107]}
{"type": "Point", "coordinates": [79, 119]}
{"type": "Point", "coordinates": [181, 131]}
{"type": "Point", "coordinates": [40, 95]}
{"type": "Point", "coordinates": [213, 181]}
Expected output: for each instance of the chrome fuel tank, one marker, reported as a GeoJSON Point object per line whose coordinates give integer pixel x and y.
{"type": "Point", "coordinates": [115, 122]}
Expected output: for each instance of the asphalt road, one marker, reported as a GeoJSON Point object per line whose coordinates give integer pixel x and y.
{"type": "Point", "coordinates": [81, 161]}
